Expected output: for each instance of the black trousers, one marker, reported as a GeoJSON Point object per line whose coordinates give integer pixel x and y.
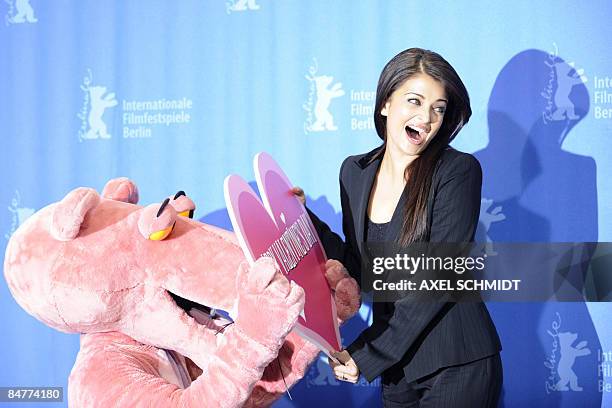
{"type": "Point", "coordinates": [472, 385]}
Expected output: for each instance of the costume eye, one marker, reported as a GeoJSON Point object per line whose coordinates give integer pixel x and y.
{"type": "Point", "coordinates": [159, 235]}
{"type": "Point", "coordinates": [162, 207]}
{"type": "Point", "coordinates": [183, 205]}
{"type": "Point", "coordinates": [157, 221]}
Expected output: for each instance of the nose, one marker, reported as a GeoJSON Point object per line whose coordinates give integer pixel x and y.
{"type": "Point", "coordinates": [425, 114]}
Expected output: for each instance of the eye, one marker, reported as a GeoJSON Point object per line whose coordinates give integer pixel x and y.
{"type": "Point", "coordinates": [440, 109]}
{"type": "Point", "coordinates": [183, 205]}
{"type": "Point", "coordinates": [161, 234]}
{"type": "Point", "coordinates": [157, 221]}
{"type": "Point", "coordinates": [414, 101]}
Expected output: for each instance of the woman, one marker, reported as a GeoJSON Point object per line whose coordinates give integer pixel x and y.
{"type": "Point", "coordinates": [415, 188]}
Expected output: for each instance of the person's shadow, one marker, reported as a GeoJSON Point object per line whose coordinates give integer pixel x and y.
{"type": "Point", "coordinates": [534, 191]}
{"type": "Point", "coordinates": [319, 386]}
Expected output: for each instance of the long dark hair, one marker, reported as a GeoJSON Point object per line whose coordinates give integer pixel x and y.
{"type": "Point", "coordinates": [420, 171]}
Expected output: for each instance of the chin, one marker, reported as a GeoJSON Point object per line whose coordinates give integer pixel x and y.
{"type": "Point", "coordinates": [412, 149]}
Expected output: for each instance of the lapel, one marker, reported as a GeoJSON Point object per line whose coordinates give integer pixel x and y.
{"type": "Point", "coordinates": [366, 173]}
{"type": "Point", "coordinates": [366, 179]}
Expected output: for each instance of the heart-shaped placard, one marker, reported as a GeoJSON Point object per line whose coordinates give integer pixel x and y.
{"type": "Point", "coordinates": [280, 228]}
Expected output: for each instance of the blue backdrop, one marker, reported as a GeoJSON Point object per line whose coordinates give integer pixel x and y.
{"type": "Point", "coordinates": [177, 94]}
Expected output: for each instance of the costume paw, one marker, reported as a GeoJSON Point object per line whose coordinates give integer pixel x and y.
{"type": "Point", "coordinates": [268, 304]}
{"type": "Point", "coordinates": [347, 294]}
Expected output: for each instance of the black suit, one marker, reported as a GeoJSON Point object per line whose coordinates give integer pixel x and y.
{"type": "Point", "coordinates": [409, 338]}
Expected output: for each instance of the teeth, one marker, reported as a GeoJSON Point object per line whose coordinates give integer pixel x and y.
{"type": "Point", "coordinates": [416, 129]}
{"type": "Point", "coordinates": [410, 129]}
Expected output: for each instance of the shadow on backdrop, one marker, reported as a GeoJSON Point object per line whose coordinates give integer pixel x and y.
{"type": "Point", "coordinates": [534, 191]}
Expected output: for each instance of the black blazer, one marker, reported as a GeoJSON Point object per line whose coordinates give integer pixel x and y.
{"type": "Point", "coordinates": [412, 338]}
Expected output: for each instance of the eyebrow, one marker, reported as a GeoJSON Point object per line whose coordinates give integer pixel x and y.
{"type": "Point", "coordinates": [418, 94]}
{"type": "Point", "coordinates": [161, 207]}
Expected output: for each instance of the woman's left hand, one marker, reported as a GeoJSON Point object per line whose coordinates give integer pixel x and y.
{"type": "Point", "coordinates": [299, 193]}
{"type": "Point", "coordinates": [346, 369]}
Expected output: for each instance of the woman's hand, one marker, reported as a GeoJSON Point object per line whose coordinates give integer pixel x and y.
{"type": "Point", "coordinates": [345, 369]}
{"type": "Point", "coordinates": [299, 193]}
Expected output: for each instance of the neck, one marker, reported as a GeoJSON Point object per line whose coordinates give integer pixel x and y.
{"type": "Point", "coordinates": [394, 165]}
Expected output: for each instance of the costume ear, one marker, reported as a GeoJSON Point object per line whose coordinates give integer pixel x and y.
{"type": "Point", "coordinates": [68, 214]}
{"type": "Point", "coordinates": [121, 189]}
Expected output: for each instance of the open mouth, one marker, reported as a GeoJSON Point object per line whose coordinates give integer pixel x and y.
{"type": "Point", "coordinates": [415, 135]}
{"type": "Point", "coordinates": [201, 313]}
{"type": "Point", "coordinates": [187, 304]}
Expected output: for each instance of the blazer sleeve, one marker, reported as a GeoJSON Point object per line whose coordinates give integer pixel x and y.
{"type": "Point", "coordinates": [456, 209]}
{"type": "Point", "coordinates": [335, 247]}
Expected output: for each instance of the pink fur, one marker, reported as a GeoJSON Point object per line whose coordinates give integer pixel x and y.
{"type": "Point", "coordinates": [105, 280]}
{"type": "Point", "coordinates": [121, 189]}
{"type": "Point", "coordinates": [183, 203]}
{"type": "Point", "coordinates": [69, 213]}
{"type": "Point", "coordinates": [149, 222]}
{"type": "Point", "coordinates": [344, 287]}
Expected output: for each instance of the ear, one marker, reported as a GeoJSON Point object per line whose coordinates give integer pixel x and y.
{"type": "Point", "coordinates": [68, 214]}
{"type": "Point", "coordinates": [385, 110]}
{"type": "Point", "coordinates": [121, 189]}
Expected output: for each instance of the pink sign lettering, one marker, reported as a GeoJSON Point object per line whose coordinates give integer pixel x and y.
{"type": "Point", "coordinates": [280, 228]}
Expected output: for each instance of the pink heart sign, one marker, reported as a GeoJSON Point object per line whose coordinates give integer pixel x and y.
{"type": "Point", "coordinates": [280, 228]}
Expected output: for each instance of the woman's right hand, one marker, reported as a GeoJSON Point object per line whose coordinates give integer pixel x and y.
{"type": "Point", "coordinates": [299, 193]}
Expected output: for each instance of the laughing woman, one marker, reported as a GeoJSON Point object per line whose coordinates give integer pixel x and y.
{"type": "Point", "coordinates": [416, 188]}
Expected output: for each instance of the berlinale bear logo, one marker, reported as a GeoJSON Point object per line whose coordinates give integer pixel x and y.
{"type": "Point", "coordinates": [96, 100]}
{"type": "Point", "coordinates": [20, 11]}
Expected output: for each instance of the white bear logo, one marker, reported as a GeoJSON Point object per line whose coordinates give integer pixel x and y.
{"type": "Point", "coordinates": [325, 94]}
{"type": "Point", "coordinates": [563, 77]}
{"type": "Point", "coordinates": [241, 5]}
{"type": "Point", "coordinates": [24, 13]}
{"type": "Point", "coordinates": [96, 101]}
{"type": "Point", "coordinates": [566, 362]}
{"type": "Point", "coordinates": [567, 78]}
{"type": "Point", "coordinates": [100, 101]}
{"type": "Point", "coordinates": [319, 118]}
